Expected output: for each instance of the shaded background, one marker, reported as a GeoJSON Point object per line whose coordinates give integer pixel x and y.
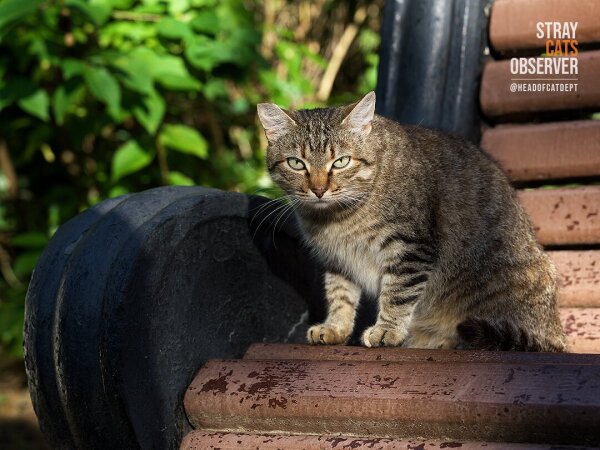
{"type": "Point", "coordinates": [104, 97]}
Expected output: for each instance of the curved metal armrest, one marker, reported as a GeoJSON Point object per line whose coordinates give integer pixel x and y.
{"type": "Point", "coordinates": [134, 294]}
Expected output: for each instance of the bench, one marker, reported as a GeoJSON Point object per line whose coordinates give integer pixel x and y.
{"type": "Point", "coordinates": [144, 312]}
{"type": "Point", "coordinates": [563, 148]}
{"type": "Point", "coordinates": [297, 396]}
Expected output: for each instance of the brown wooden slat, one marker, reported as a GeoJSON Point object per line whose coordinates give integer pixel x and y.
{"type": "Point", "coordinates": [513, 22]}
{"type": "Point", "coordinates": [262, 351]}
{"type": "Point", "coordinates": [455, 401]}
{"type": "Point", "coordinates": [497, 100]}
{"type": "Point", "coordinates": [546, 151]}
{"type": "Point", "coordinates": [203, 440]}
{"type": "Point", "coordinates": [582, 326]}
{"type": "Point", "coordinates": [580, 277]}
{"type": "Point", "coordinates": [564, 216]}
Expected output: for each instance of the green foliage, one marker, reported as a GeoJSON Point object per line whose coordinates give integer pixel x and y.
{"type": "Point", "coordinates": [129, 158]}
{"type": "Point", "coordinates": [184, 139]}
{"type": "Point", "coordinates": [104, 97]}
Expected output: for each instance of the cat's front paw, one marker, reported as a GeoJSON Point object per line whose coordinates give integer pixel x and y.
{"type": "Point", "coordinates": [327, 333]}
{"type": "Point", "coordinates": [382, 336]}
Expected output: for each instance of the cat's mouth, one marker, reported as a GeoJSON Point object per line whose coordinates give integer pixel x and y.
{"type": "Point", "coordinates": [319, 203]}
{"type": "Point", "coordinates": [314, 202]}
{"type": "Point", "coordinates": [327, 202]}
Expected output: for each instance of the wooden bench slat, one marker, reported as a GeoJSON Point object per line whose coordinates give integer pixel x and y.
{"type": "Point", "coordinates": [513, 22]}
{"type": "Point", "coordinates": [262, 351]}
{"type": "Point", "coordinates": [564, 216]}
{"type": "Point", "coordinates": [496, 402]}
{"type": "Point", "coordinates": [582, 326]}
{"type": "Point", "coordinates": [203, 440]}
{"type": "Point", "coordinates": [580, 277]}
{"type": "Point", "coordinates": [546, 151]}
{"type": "Point", "coordinates": [497, 100]}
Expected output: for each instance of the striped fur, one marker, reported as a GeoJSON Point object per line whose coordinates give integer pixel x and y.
{"type": "Point", "coordinates": [425, 221]}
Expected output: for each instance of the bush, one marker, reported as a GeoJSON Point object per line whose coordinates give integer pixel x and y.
{"type": "Point", "coordinates": [104, 97]}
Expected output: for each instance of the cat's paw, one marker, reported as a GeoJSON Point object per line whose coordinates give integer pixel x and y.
{"type": "Point", "coordinates": [327, 333]}
{"type": "Point", "coordinates": [382, 336]}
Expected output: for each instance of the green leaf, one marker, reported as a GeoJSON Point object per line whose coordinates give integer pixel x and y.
{"type": "Point", "coordinates": [142, 66]}
{"type": "Point", "coordinates": [66, 98]}
{"type": "Point", "coordinates": [104, 87]}
{"type": "Point", "coordinates": [13, 10]}
{"type": "Point", "coordinates": [72, 67]}
{"type": "Point", "coordinates": [25, 262]}
{"type": "Point", "coordinates": [204, 53]}
{"type": "Point", "coordinates": [123, 4]}
{"type": "Point", "coordinates": [179, 179]}
{"type": "Point", "coordinates": [178, 7]}
{"type": "Point", "coordinates": [214, 89]}
{"type": "Point", "coordinates": [30, 240]}
{"type": "Point", "coordinates": [137, 69]}
{"type": "Point", "coordinates": [59, 105]}
{"type": "Point", "coordinates": [184, 139]}
{"type": "Point", "coordinates": [151, 113]}
{"type": "Point", "coordinates": [11, 323]}
{"type": "Point", "coordinates": [174, 29]}
{"type": "Point", "coordinates": [15, 90]}
{"type": "Point", "coordinates": [243, 44]}
{"type": "Point", "coordinates": [36, 104]}
{"type": "Point", "coordinates": [204, 3]}
{"type": "Point", "coordinates": [39, 48]}
{"type": "Point", "coordinates": [96, 10]}
{"type": "Point", "coordinates": [117, 191]}
{"type": "Point", "coordinates": [129, 158]}
{"type": "Point", "coordinates": [172, 74]}
{"type": "Point", "coordinates": [179, 82]}
{"type": "Point", "coordinates": [368, 41]}
{"type": "Point", "coordinates": [206, 22]}
{"type": "Point", "coordinates": [126, 34]}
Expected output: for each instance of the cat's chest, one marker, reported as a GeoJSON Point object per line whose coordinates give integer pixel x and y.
{"type": "Point", "coordinates": [352, 255]}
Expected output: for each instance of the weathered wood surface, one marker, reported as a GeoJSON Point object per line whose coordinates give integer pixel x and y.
{"type": "Point", "coordinates": [410, 355]}
{"type": "Point", "coordinates": [564, 216]}
{"type": "Point", "coordinates": [497, 100]}
{"type": "Point", "coordinates": [579, 272]}
{"type": "Point", "coordinates": [513, 22]}
{"type": "Point", "coordinates": [203, 440]}
{"type": "Point", "coordinates": [582, 326]}
{"type": "Point", "coordinates": [546, 151]}
{"type": "Point", "coordinates": [457, 401]}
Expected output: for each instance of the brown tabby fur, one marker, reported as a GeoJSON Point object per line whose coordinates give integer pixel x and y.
{"type": "Point", "coordinates": [425, 221]}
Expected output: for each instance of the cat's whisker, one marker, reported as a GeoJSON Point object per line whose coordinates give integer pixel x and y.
{"type": "Point", "coordinates": [283, 217]}
{"type": "Point", "coordinates": [285, 196]}
{"type": "Point", "coordinates": [284, 205]}
{"type": "Point", "coordinates": [286, 212]}
{"type": "Point", "coordinates": [256, 211]}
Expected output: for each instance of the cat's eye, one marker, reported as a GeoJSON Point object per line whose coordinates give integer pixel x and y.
{"type": "Point", "coordinates": [342, 162]}
{"type": "Point", "coordinates": [296, 164]}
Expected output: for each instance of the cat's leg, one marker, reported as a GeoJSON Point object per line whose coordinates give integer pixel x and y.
{"type": "Point", "coordinates": [342, 299]}
{"type": "Point", "coordinates": [401, 289]}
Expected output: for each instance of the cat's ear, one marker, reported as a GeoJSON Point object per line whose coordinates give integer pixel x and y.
{"type": "Point", "coordinates": [360, 118]}
{"type": "Point", "coordinates": [275, 120]}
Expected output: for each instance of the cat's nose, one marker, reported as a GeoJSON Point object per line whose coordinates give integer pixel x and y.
{"type": "Point", "coordinates": [319, 191]}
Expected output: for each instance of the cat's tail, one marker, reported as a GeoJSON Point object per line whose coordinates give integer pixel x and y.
{"type": "Point", "coordinates": [483, 334]}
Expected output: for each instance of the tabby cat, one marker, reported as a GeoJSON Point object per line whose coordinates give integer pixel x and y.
{"type": "Point", "coordinates": [424, 221]}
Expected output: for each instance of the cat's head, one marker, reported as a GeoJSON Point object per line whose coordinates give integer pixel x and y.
{"type": "Point", "coordinates": [321, 157]}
